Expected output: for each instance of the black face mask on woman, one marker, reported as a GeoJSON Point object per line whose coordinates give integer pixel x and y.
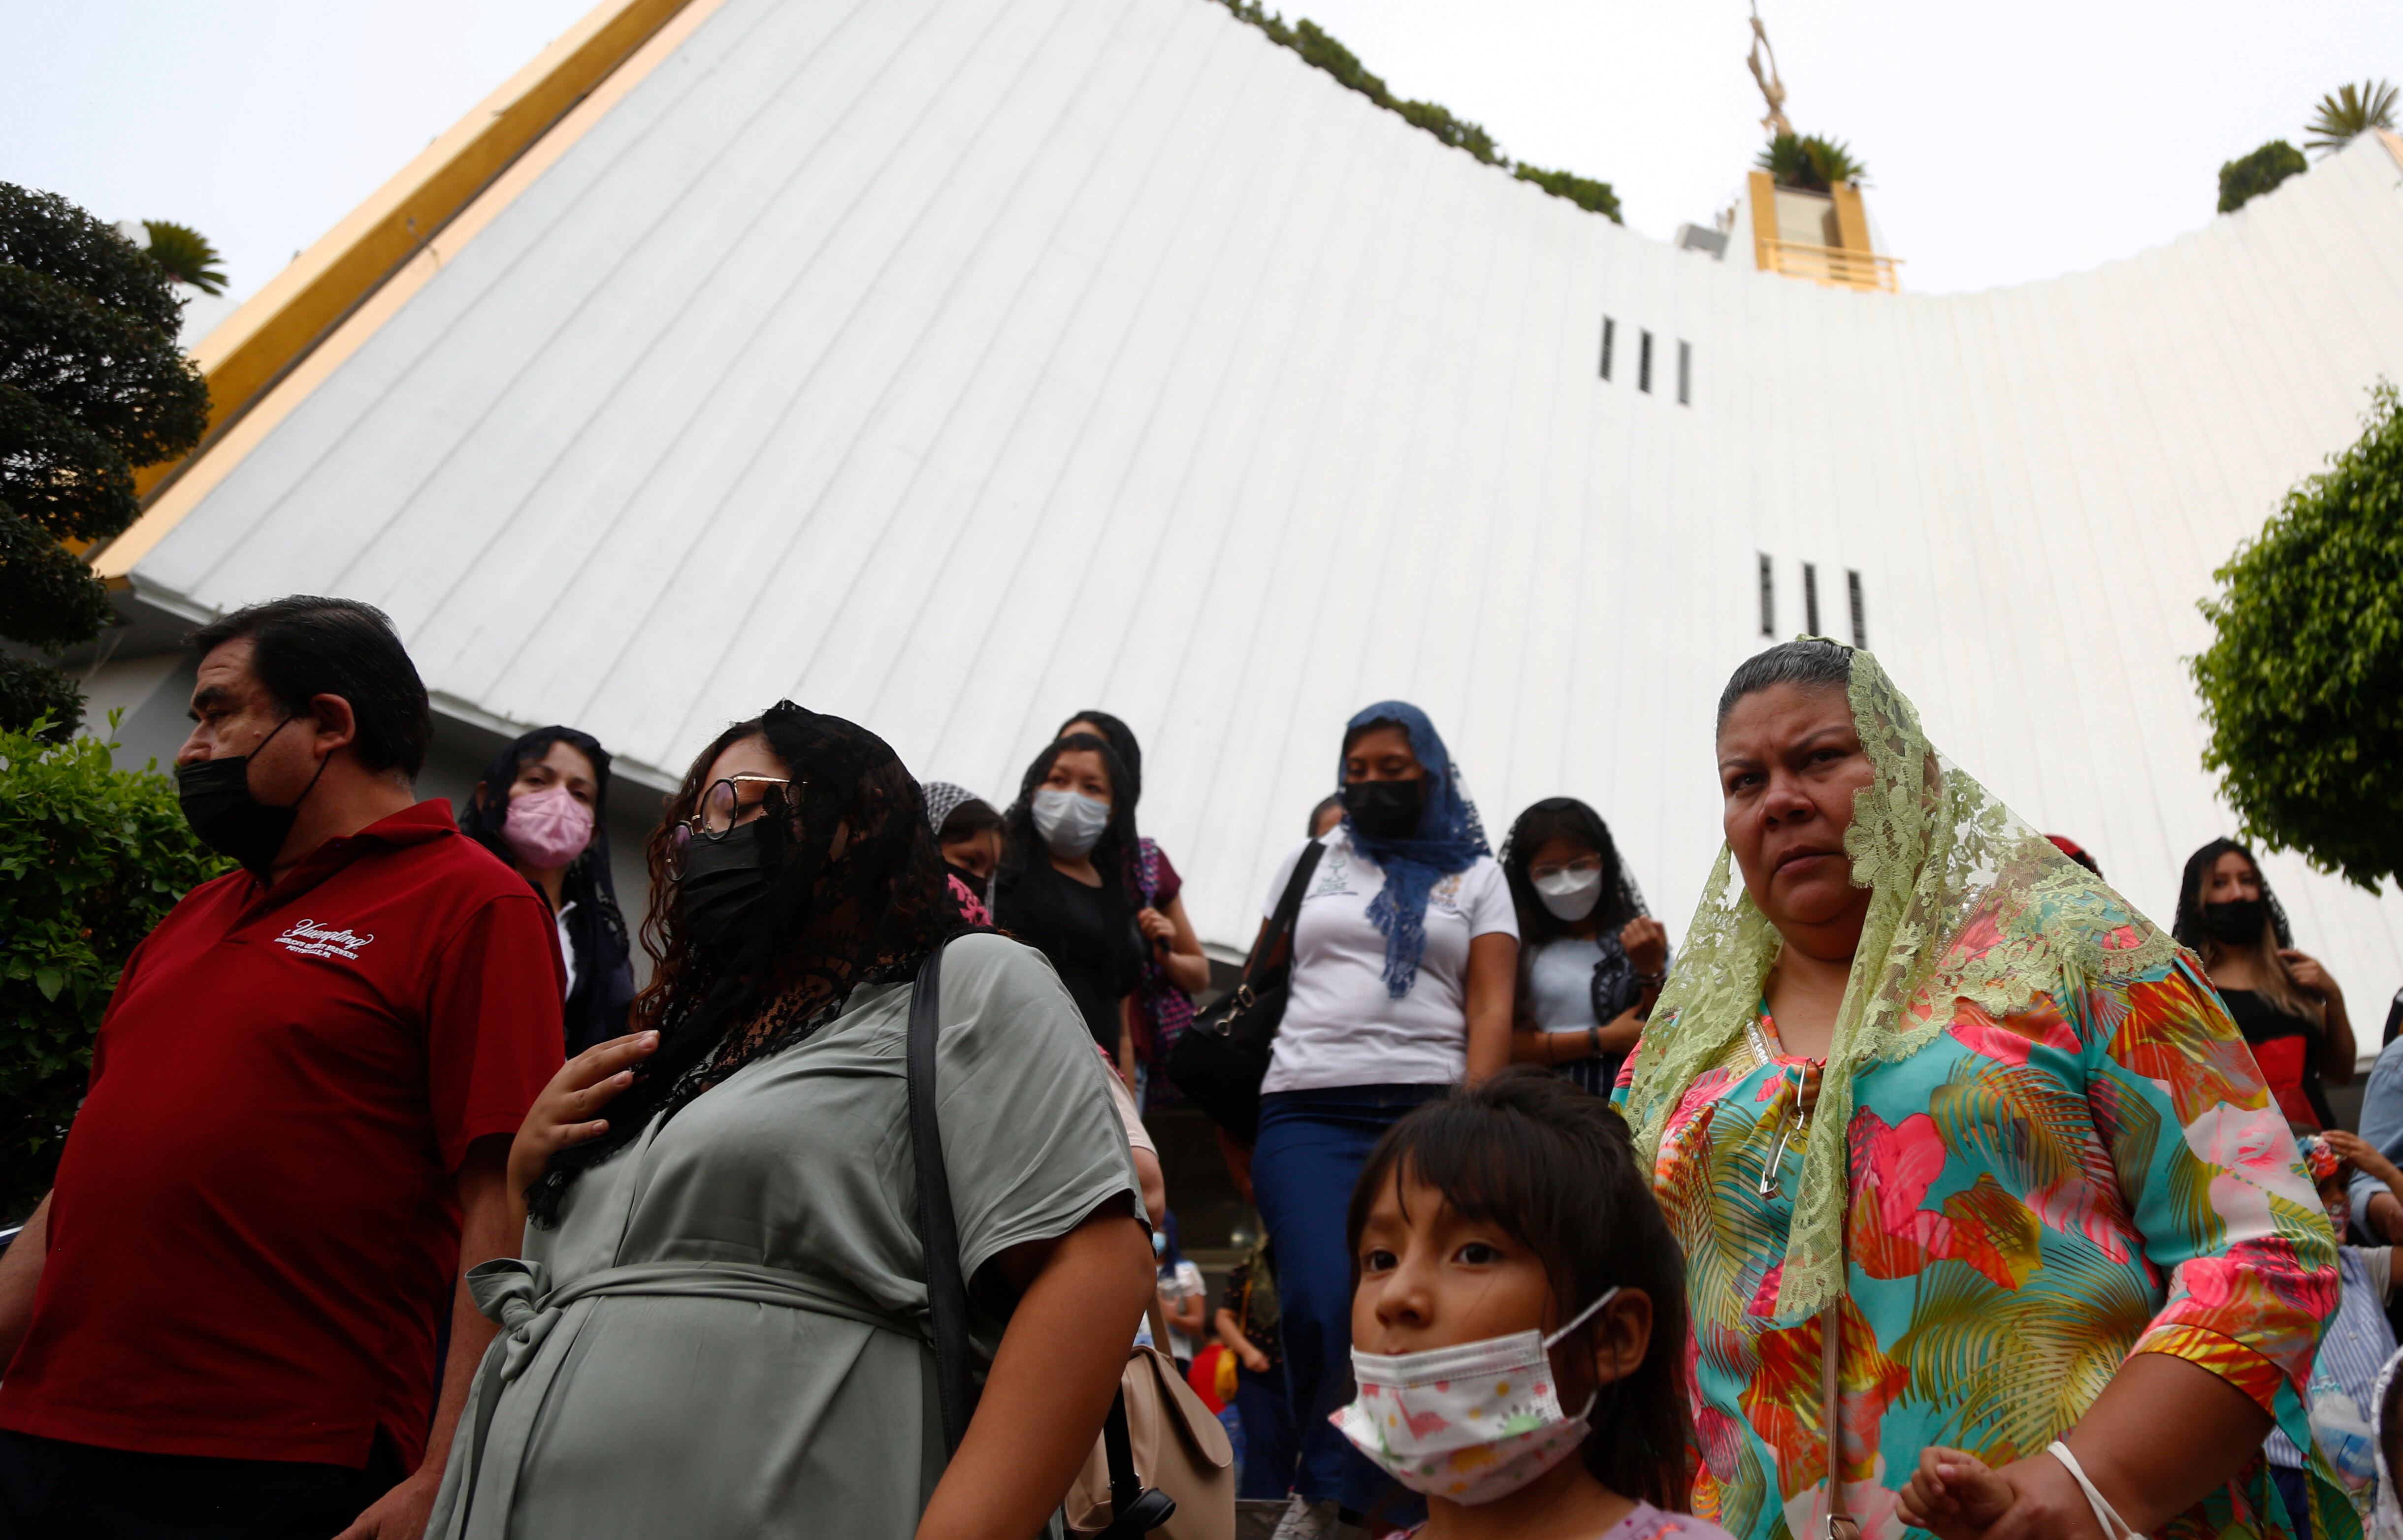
{"type": "Point", "coordinates": [216, 800]}
{"type": "Point", "coordinates": [723, 880]}
{"type": "Point", "coordinates": [2235, 920]}
{"type": "Point", "coordinates": [1384, 810]}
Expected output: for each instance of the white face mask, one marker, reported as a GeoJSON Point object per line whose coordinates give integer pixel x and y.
{"type": "Point", "coordinates": [1070, 821]}
{"type": "Point", "coordinates": [1467, 1423]}
{"type": "Point", "coordinates": [1570, 894]}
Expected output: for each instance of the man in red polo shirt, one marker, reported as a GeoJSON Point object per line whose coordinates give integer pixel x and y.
{"type": "Point", "coordinates": [222, 1320]}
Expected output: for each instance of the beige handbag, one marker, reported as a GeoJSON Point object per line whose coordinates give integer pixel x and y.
{"type": "Point", "coordinates": [1177, 1447]}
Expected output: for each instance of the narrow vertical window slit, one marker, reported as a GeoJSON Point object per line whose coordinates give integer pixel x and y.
{"type": "Point", "coordinates": [1809, 599]}
{"type": "Point", "coordinates": [1685, 374]}
{"type": "Point", "coordinates": [1860, 618]}
{"type": "Point", "coordinates": [1644, 364]}
{"type": "Point", "coordinates": [1768, 596]}
{"type": "Point", "coordinates": [1609, 336]}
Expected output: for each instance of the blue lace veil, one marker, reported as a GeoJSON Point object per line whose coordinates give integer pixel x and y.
{"type": "Point", "coordinates": [1449, 837]}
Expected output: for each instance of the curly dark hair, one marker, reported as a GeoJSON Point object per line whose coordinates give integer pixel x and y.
{"type": "Point", "coordinates": [833, 921]}
{"type": "Point", "coordinates": [1556, 1169]}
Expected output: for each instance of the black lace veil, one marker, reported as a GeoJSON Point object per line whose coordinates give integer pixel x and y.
{"type": "Point", "coordinates": [833, 921]}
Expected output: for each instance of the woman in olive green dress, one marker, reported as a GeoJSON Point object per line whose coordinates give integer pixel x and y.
{"type": "Point", "coordinates": [719, 1325]}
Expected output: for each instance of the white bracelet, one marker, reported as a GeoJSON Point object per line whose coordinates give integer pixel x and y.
{"type": "Point", "coordinates": [2114, 1527]}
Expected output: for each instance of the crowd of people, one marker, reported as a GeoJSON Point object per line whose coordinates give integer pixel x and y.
{"type": "Point", "coordinates": [1923, 1185]}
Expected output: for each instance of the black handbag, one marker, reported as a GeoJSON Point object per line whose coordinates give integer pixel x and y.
{"type": "Point", "coordinates": [1220, 1062]}
{"type": "Point", "coordinates": [1138, 1510]}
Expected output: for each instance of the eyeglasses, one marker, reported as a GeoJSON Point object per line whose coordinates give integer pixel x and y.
{"type": "Point", "coordinates": [725, 806]}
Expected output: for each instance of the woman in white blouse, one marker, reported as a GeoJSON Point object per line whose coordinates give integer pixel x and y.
{"type": "Point", "coordinates": [1404, 956]}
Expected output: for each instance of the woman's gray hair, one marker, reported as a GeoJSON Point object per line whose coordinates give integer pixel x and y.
{"type": "Point", "coordinates": [1809, 662]}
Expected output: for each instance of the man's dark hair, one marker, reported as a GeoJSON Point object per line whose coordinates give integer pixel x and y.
{"type": "Point", "coordinates": [304, 646]}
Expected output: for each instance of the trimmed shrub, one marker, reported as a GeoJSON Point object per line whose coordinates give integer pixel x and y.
{"type": "Point", "coordinates": [2247, 177]}
{"type": "Point", "coordinates": [91, 858]}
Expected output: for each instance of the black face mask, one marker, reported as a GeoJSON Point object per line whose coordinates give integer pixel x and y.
{"type": "Point", "coordinates": [218, 803]}
{"type": "Point", "coordinates": [2235, 920]}
{"type": "Point", "coordinates": [1384, 810]}
{"type": "Point", "coordinates": [969, 880]}
{"type": "Point", "coordinates": [723, 881]}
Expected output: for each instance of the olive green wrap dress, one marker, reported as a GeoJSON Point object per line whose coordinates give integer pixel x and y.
{"type": "Point", "coordinates": [725, 1334]}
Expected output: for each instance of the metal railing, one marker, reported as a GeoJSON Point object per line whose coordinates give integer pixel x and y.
{"type": "Point", "coordinates": [1833, 267]}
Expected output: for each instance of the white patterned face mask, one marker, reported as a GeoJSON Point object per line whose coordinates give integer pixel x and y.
{"type": "Point", "coordinates": [1470, 1422]}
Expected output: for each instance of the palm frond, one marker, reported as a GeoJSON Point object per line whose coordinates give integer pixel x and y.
{"type": "Point", "coordinates": [1789, 165]}
{"type": "Point", "coordinates": [1836, 161]}
{"type": "Point", "coordinates": [1811, 162]}
{"type": "Point", "coordinates": [187, 254]}
{"type": "Point", "coordinates": [2348, 112]}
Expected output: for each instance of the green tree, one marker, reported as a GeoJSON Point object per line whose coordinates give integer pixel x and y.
{"type": "Point", "coordinates": [92, 857]}
{"type": "Point", "coordinates": [187, 254]}
{"type": "Point", "coordinates": [2302, 686]}
{"type": "Point", "coordinates": [92, 386]}
{"type": "Point", "coordinates": [2248, 177]}
{"type": "Point", "coordinates": [1811, 162]}
{"type": "Point", "coordinates": [2350, 111]}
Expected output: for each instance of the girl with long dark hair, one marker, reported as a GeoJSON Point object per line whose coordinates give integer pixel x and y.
{"type": "Point", "coordinates": [720, 1326]}
{"type": "Point", "coordinates": [1519, 1320]}
{"type": "Point", "coordinates": [1174, 967]}
{"type": "Point", "coordinates": [543, 808]}
{"type": "Point", "coordinates": [1064, 841]}
{"type": "Point", "coordinates": [1591, 959]}
{"type": "Point", "coordinates": [2284, 1002]}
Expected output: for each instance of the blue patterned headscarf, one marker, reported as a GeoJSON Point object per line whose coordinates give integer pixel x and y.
{"type": "Point", "coordinates": [1449, 837]}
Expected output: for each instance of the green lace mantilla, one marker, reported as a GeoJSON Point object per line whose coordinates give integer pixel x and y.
{"type": "Point", "coordinates": [1969, 902]}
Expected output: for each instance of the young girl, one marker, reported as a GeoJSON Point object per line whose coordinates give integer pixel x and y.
{"type": "Point", "coordinates": [1591, 961]}
{"type": "Point", "coordinates": [1517, 1321]}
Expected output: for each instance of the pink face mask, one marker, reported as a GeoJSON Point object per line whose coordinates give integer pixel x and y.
{"type": "Point", "coordinates": [549, 828]}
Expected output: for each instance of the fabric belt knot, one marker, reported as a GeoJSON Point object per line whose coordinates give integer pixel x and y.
{"type": "Point", "coordinates": [518, 1296]}
{"type": "Point", "coordinates": [511, 1292]}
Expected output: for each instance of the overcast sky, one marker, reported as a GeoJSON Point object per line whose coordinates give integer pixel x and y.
{"type": "Point", "coordinates": [2004, 144]}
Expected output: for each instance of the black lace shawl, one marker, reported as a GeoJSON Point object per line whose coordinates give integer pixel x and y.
{"type": "Point", "coordinates": [831, 923]}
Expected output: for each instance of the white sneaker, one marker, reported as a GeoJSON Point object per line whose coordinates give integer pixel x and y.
{"type": "Point", "coordinates": [1305, 1521]}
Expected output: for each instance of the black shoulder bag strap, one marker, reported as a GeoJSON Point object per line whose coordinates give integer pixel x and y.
{"type": "Point", "coordinates": [938, 1231]}
{"type": "Point", "coordinates": [1136, 1511]}
{"type": "Point", "coordinates": [1289, 913]}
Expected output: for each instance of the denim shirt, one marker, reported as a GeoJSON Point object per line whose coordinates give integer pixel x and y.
{"type": "Point", "coordinates": [2381, 1124]}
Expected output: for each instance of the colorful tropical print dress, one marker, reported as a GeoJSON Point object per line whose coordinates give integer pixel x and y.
{"type": "Point", "coordinates": [2034, 1198]}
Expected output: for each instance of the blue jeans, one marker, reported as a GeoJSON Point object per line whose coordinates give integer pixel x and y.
{"type": "Point", "coordinates": [1310, 1148]}
{"type": "Point", "coordinates": [1268, 1434]}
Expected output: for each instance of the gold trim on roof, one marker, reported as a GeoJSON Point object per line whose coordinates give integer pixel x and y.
{"type": "Point", "coordinates": [286, 337]}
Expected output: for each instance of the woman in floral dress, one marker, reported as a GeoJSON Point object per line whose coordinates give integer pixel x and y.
{"type": "Point", "coordinates": [2062, 1212]}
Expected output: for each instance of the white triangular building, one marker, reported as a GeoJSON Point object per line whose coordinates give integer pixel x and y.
{"type": "Point", "coordinates": [953, 365]}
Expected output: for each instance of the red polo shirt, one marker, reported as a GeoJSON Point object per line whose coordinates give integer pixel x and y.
{"type": "Point", "coordinates": [254, 1229]}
